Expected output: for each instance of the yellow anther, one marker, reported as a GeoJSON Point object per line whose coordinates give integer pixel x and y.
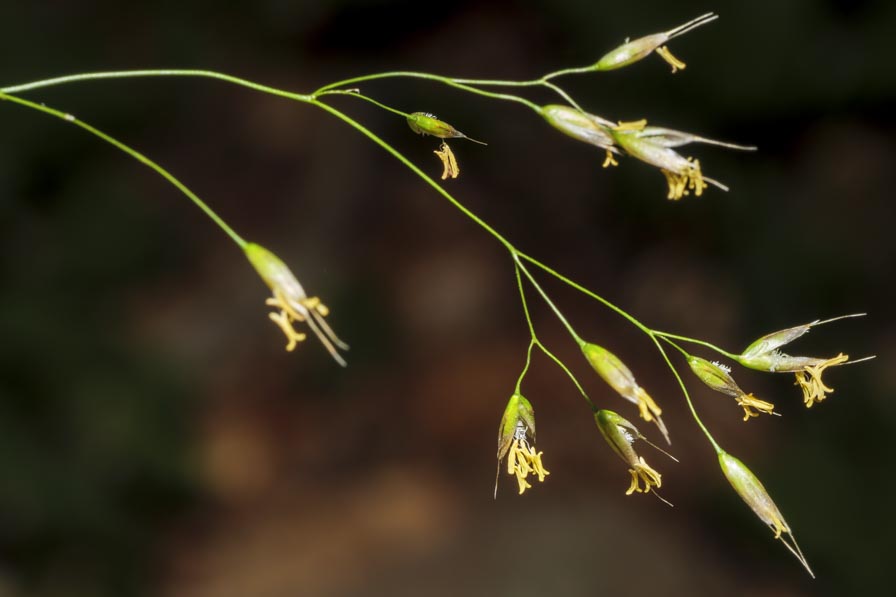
{"type": "Point", "coordinates": [809, 380]}
{"type": "Point", "coordinates": [643, 473]}
{"type": "Point", "coordinates": [647, 408]}
{"type": "Point", "coordinates": [522, 459]}
{"type": "Point", "coordinates": [682, 183]}
{"type": "Point", "coordinates": [314, 303]}
{"type": "Point", "coordinates": [449, 162]}
{"type": "Point", "coordinates": [779, 526]}
{"type": "Point", "coordinates": [749, 402]}
{"type": "Point", "coordinates": [695, 178]}
{"type": "Point", "coordinates": [284, 322]}
{"type": "Point", "coordinates": [674, 62]}
{"type": "Point", "coordinates": [631, 125]}
{"type": "Point", "coordinates": [293, 304]}
{"type": "Point", "coordinates": [610, 160]}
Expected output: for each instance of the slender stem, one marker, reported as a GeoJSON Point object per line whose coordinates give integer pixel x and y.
{"type": "Point", "coordinates": [127, 74]}
{"type": "Point", "coordinates": [456, 83]}
{"type": "Point", "coordinates": [519, 285]}
{"type": "Point", "coordinates": [569, 374]}
{"type": "Point", "coordinates": [519, 381]}
{"type": "Point", "coordinates": [542, 82]}
{"type": "Point", "coordinates": [570, 71]}
{"type": "Point", "coordinates": [587, 292]}
{"type": "Point", "coordinates": [359, 95]}
{"type": "Point", "coordinates": [544, 349]}
{"type": "Point", "coordinates": [136, 155]}
{"type": "Point", "coordinates": [564, 95]}
{"type": "Point", "coordinates": [667, 336]}
{"type": "Point", "coordinates": [683, 352]}
{"type": "Point", "coordinates": [547, 299]}
{"type": "Point", "coordinates": [460, 80]}
{"type": "Point", "coordinates": [687, 396]}
{"type": "Point", "coordinates": [427, 76]}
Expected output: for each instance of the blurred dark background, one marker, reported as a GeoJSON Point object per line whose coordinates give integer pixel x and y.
{"type": "Point", "coordinates": [155, 439]}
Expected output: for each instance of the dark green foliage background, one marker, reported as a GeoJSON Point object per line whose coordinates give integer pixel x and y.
{"type": "Point", "coordinates": [155, 439]}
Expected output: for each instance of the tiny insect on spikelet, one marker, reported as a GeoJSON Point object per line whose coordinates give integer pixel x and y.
{"type": "Point", "coordinates": [654, 145]}
{"type": "Point", "coordinates": [763, 355]}
{"type": "Point", "coordinates": [718, 377]}
{"type": "Point", "coordinates": [516, 429]}
{"type": "Point", "coordinates": [621, 435]}
{"type": "Point", "coordinates": [620, 378]}
{"type": "Point", "coordinates": [293, 304]}
{"type": "Point", "coordinates": [757, 498]}
{"type": "Point", "coordinates": [424, 123]}
{"type": "Point", "coordinates": [634, 50]}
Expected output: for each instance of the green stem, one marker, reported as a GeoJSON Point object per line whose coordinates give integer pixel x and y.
{"type": "Point", "coordinates": [365, 98]}
{"type": "Point", "coordinates": [127, 74]}
{"type": "Point", "coordinates": [459, 80]}
{"type": "Point", "coordinates": [519, 285]}
{"type": "Point", "coordinates": [687, 396]}
{"type": "Point", "coordinates": [534, 340]}
{"type": "Point", "coordinates": [683, 352]}
{"type": "Point", "coordinates": [570, 71]}
{"type": "Point", "coordinates": [456, 83]}
{"type": "Point", "coordinates": [569, 374]}
{"type": "Point", "coordinates": [136, 155]}
{"type": "Point", "coordinates": [519, 381]}
{"type": "Point", "coordinates": [667, 336]}
{"type": "Point", "coordinates": [472, 85]}
{"type": "Point", "coordinates": [564, 95]}
{"type": "Point", "coordinates": [589, 293]}
{"type": "Point", "coordinates": [557, 312]}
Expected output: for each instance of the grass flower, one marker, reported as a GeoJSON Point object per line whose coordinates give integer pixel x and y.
{"type": "Point", "coordinates": [424, 123]}
{"type": "Point", "coordinates": [718, 377]}
{"type": "Point", "coordinates": [655, 146]}
{"type": "Point", "coordinates": [620, 378]}
{"type": "Point", "coordinates": [514, 433]}
{"type": "Point", "coordinates": [764, 355]}
{"type": "Point", "coordinates": [757, 498]}
{"type": "Point", "coordinates": [621, 435]}
{"type": "Point", "coordinates": [637, 49]}
{"type": "Point", "coordinates": [292, 304]}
